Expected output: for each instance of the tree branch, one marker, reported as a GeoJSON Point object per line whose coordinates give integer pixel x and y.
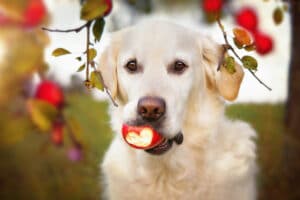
{"type": "Point", "coordinates": [88, 62]}
{"type": "Point", "coordinates": [88, 25]}
{"type": "Point", "coordinates": [76, 30]}
{"type": "Point", "coordinates": [104, 86]}
{"type": "Point", "coordinates": [227, 46]}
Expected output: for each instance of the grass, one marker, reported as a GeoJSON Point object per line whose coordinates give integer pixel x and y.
{"type": "Point", "coordinates": [35, 169]}
{"type": "Point", "coordinates": [267, 120]}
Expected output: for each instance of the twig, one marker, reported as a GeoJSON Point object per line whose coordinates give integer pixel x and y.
{"type": "Point", "coordinates": [227, 46]}
{"type": "Point", "coordinates": [88, 62]}
{"type": "Point", "coordinates": [71, 135]}
{"type": "Point", "coordinates": [106, 90]}
{"type": "Point", "coordinates": [88, 25]}
{"type": "Point", "coordinates": [259, 80]}
{"type": "Point", "coordinates": [104, 86]}
{"type": "Point", "coordinates": [76, 30]}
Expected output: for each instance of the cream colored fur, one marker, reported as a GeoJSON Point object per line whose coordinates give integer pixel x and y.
{"type": "Point", "coordinates": [217, 158]}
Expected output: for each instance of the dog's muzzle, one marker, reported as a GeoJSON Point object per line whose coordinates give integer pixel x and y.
{"type": "Point", "coordinates": [165, 145]}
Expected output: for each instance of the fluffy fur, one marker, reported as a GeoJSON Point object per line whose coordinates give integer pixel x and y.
{"type": "Point", "coordinates": [217, 158]}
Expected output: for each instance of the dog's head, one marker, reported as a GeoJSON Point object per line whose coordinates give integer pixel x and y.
{"type": "Point", "coordinates": [152, 70]}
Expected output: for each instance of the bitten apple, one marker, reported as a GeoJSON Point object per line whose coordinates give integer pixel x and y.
{"type": "Point", "coordinates": [141, 137]}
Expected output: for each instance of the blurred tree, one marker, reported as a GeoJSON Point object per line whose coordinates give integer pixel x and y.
{"type": "Point", "coordinates": [23, 46]}
{"type": "Point", "coordinates": [292, 149]}
{"type": "Point", "coordinates": [293, 107]}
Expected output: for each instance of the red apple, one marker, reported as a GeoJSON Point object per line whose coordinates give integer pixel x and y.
{"type": "Point", "coordinates": [34, 13]}
{"type": "Point", "coordinates": [263, 42]}
{"type": "Point", "coordinates": [50, 92]}
{"type": "Point", "coordinates": [141, 137]}
{"type": "Point", "coordinates": [57, 133]}
{"type": "Point", "coordinates": [247, 18]}
{"type": "Point", "coordinates": [109, 8]}
{"type": "Point", "coordinates": [4, 20]}
{"type": "Point", "coordinates": [212, 5]}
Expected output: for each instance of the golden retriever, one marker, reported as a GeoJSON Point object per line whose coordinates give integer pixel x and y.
{"type": "Point", "coordinates": [176, 68]}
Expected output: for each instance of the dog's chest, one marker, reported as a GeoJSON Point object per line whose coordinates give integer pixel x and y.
{"type": "Point", "coordinates": [182, 178]}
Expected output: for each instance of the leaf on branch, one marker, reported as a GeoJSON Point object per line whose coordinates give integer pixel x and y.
{"type": "Point", "coordinates": [60, 52]}
{"type": "Point", "coordinates": [237, 43]}
{"type": "Point", "coordinates": [88, 84]}
{"type": "Point", "coordinates": [98, 29]}
{"type": "Point", "coordinates": [96, 80]}
{"type": "Point", "coordinates": [75, 127]}
{"type": "Point", "coordinates": [278, 16]}
{"type": "Point", "coordinates": [81, 68]}
{"type": "Point", "coordinates": [242, 36]}
{"type": "Point", "coordinates": [250, 47]}
{"type": "Point", "coordinates": [78, 58]}
{"type": "Point", "coordinates": [229, 64]}
{"type": "Point", "coordinates": [93, 9]}
{"type": "Point", "coordinates": [285, 7]}
{"type": "Point", "coordinates": [249, 62]}
{"type": "Point", "coordinates": [92, 54]}
{"type": "Point", "coordinates": [42, 114]}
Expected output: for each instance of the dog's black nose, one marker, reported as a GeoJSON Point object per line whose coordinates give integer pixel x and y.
{"type": "Point", "coordinates": [151, 108]}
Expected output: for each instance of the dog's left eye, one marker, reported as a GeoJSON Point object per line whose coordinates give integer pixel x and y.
{"type": "Point", "coordinates": [178, 67]}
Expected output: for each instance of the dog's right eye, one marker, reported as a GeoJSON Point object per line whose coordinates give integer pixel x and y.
{"type": "Point", "coordinates": [132, 66]}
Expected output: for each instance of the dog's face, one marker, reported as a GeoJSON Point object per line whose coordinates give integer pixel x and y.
{"type": "Point", "coordinates": [152, 69]}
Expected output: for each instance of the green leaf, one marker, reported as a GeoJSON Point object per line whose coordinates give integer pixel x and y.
{"type": "Point", "coordinates": [249, 62]}
{"type": "Point", "coordinates": [93, 9]}
{"type": "Point", "coordinates": [75, 127]}
{"type": "Point", "coordinates": [278, 15]}
{"type": "Point", "coordinates": [78, 58]}
{"type": "Point", "coordinates": [98, 29]}
{"type": "Point", "coordinates": [60, 51]}
{"type": "Point", "coordinates": [81, 68]}
{"type": "Point", "coordinates": [230, 64]}
{"type": "Point", "coordinates": [42, 114]}
{"type": "Point", "coordinates": [285, 7]}
{"type": "Point", "coordinates": [96, 80]}
{"type": "Point", "coordinates": [92, 54]}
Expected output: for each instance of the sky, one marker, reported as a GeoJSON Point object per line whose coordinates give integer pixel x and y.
{"type": "Point", "coordinates": [273, 68]}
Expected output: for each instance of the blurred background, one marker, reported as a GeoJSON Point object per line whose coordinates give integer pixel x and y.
{"type": "Point", "coordinates": [54, 131]}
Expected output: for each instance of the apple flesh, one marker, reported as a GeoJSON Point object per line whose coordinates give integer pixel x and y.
{"type": "Point", "coordinates": [141, 137]}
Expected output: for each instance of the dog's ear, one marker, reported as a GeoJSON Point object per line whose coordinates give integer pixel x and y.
{"type": "Point", "coordinates": [108, 68]}
{"type": "Point", "coordinates": [226, 84]}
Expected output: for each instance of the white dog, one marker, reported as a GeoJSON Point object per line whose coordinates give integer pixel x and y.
{"type": "Point", "coordinates": [170, 72]}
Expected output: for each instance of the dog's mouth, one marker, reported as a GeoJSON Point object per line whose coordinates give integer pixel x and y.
{"type": "Point", "coordinates": [166, 145]}
{"type": "Point", "coordinates": [149, 139]}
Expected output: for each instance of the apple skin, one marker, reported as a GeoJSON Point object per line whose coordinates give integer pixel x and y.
{"type": "Point", "coordinates": [264, 43]}
{"type": "Point", "coordinates": [109, 8]}
{"type": "Point", "coordinates": [212, 5]}
{"type": "Point", "coordinates": [57, 134]}
{"type": "Point", "coordinates": [50, 92]}
{"type": "Point", "coordinates": [247, 18]}
{"type": "Point", "coordinates": [34, 13]}
{"type": "Point", "coordinates": [154, 141]}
